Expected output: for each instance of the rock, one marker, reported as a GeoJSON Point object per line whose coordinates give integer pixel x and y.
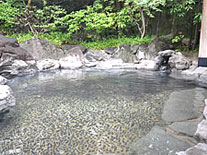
{"type": "Point", "coordinates": [3, 80]}
{"type": "Point", "coordinates": [12, 57]}
{"type": "Point", "coordinates": [199, 149]}
{"type": "Point", "coordinates": [201, 133]}
{"type": "Point", "coordinates": [156, 46]}
{"type": "Point", "coordinates": [158, 142]}
{"type": "Point", "coordinates": [205, 110]}
{"type": "Point", "coordinates": [202, 77]}
{"type": "Point", "coordinates": [76, 52]}
{"type": "Point", "coordinates": [17, 67]}
{"type": "Point", "coordinates": [111, 50]}
{"type": "Point", "coordinates": [142, 52]}
{"type": "Point", "coordinates": [42, 49]}
{"type": "Point", "coordinates": [67, 48]}
{"type": "Point", "coordinates": [174, 111]}
{"type": "Point", "coordinates": [195, 72]}
{"type": "Point", "coordinates": [179, 61]}
{"type": "Point", "coordinates": [166, 53]}
{"type": "Point", "coordinates": [96, 55]}
{"type": "Point", "coordinates": [47, 64]}
{"type": "Point", "coordinates": [20, 67]}
{"type": "Point", "coordinates": [70, 62]}
{"type": "Point", "coordinates": [73, 60]}
{"type": "Point", "coordinates": [162, 60]}
{"type": "Point", "coordinates": [147, 64]}
{"type": "Point", "coordinates": [185, 128]}
{"type": "Point", "coordinates": [7, 99]}
{"type": "Point", "coordinates": [7, 41]}
{"type": "Point", "coordinates": [124, 52]}
{"type": "Point", "coordinates": [110, 64]}
{"type": "Point", "coordinates": [115, 64]}
{"type": "Point", "coordinates": [12, 53]}
{"type": "Point", "coordinates": [135, 48]}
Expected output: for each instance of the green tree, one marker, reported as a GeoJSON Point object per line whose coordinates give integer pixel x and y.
{"type": "Point", "coordinates": [138, 9]}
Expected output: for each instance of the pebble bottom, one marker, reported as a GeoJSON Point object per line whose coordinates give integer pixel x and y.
{"type": "Point", "coordinates": [55, 125]}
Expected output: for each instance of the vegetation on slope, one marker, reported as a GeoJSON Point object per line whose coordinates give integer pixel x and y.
{"type": "Point", "coordinates": [105, 22]}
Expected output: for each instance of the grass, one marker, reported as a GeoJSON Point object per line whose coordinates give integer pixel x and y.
{"type": "Point", "coordinates": [102, 44]}
{"type": "Point", "coordinates": [59, 38]}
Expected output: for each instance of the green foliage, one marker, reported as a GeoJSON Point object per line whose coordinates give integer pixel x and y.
{"type": "Point", "coordinates": [178, 38]}
{"type": "Point", "coordinates": [16, 16]}
{"type": "Point", "coordinates": [102, 44]}
{"type": "Point", "coordinates": [180, 7]}
{"type": "Point", "coordinates": [97, 20]}
{"type": "Point", "coordinates": [137, 10]}
{"type": "Point", "coordinates": [8, 15]}
{"type": "Point", "coordinates": [197, 18]}
{"type": "Point", "coordinates": [102, 20]}
{"type": "Point", "coordinates": [59, 39]}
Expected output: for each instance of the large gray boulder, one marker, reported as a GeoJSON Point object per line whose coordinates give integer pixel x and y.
{"type": "Point", "coordinates": [125, 53]}
{"type": "Point", "coordinates": [73, 60]}
{"type": "Point", "coordinates": [156, 46]}
{"type": "Point", "coordinates": [13, 59]}
{"type": "Point", "coordinates": [7, 99]}
{"type": "Point", "coordinates": [7, 41]}
{"type": "Point", "coordinates": [179, 61]}
{"type": "Point", "coordinates": [42, 49]}
{"type": "Point", "coordinates": [96, 55]}
{"type": "Point", "coordinates": [111, 50]}
{"type": "Point", "coordinates": [67, 48]}
{"type": "Point", "coordinates": [9, 52]}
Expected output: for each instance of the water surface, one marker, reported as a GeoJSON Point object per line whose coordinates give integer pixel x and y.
{"type": "Point", "coordinates": [85, 112]}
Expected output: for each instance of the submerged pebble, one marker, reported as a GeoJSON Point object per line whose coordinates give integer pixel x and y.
{"type": "Point", "coordinates": [97, 115]}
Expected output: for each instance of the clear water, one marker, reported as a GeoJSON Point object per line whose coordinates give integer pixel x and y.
{"type": "Point", "coordinates": [84, 112]}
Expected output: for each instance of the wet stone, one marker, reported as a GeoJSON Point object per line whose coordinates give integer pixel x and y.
{"type": "Point", "coordinates": [183, 105]}
{"type": "Point", "coordinates": [185, 128]}
{"type": "Point", "coordinates": [158, 142]}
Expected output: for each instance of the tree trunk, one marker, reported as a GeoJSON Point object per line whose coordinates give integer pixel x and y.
{"type": "Point", "coordinates": [158, 25]}
{"type": "Point", "coordinates": [173, 31]}
{"type": "Point", "coordinates": [195, 37]}
{"type": "Point", "coordinates": [143, 24]}
{"type": "Point", "coordinates": [191, 34]}
{"type": "Point", "coordinates": [29, 2]}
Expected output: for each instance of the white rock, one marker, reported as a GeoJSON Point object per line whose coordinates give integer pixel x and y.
{"type": "Point", "coordinates": [201, 132]}
{"type": "Point", "coordinates": [70, 62]}
{"type": "Point", "coordinates": [179, 61]}
{"type": "Point", "coordinates": [140, 55]}
{"type": "Point", "coordinates": [110, 64]}
{"type": "Point", "coordinates": [147, 64]}
{"type": "Point", "coordinates": [199, 149]}
{"type": "Point", "coordinates": [3, 80]}
{"type": "Point", "coordinates": [6, 98]}
{"type": "Point", "coordinates": [166, 53]}
{"type": "Point", "coordinates": [47, 64]}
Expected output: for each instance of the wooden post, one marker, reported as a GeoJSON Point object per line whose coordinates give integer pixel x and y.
{"type": "Point", "coordinates": [202, 58]}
